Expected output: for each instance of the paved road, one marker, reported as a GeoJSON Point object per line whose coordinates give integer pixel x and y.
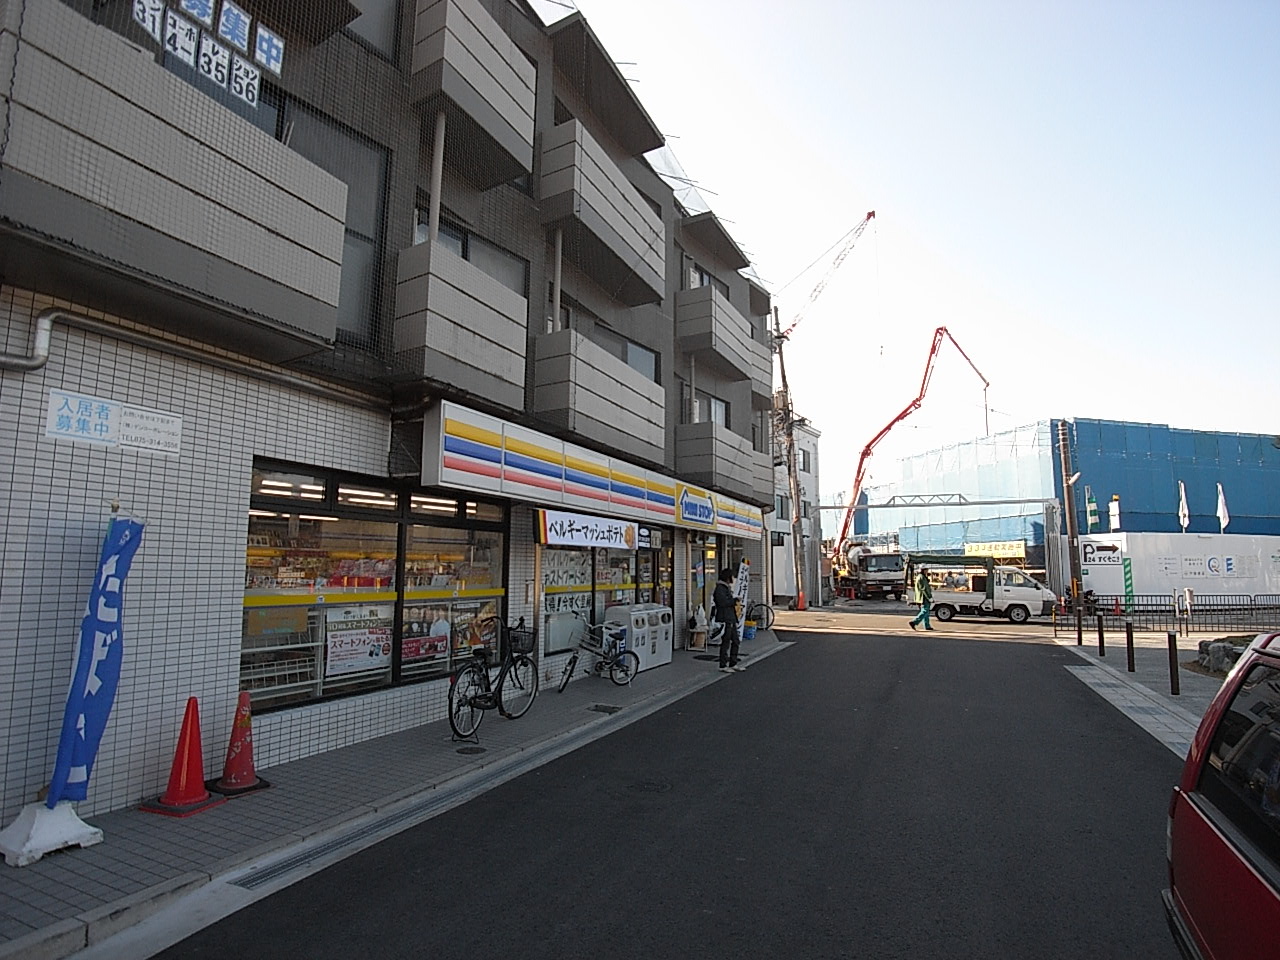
{"type": "Point", "coordinates": [848, 797]}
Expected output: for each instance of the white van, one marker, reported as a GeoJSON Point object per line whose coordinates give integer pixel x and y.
{"type": "Point", "coordinates": [1004, 593]}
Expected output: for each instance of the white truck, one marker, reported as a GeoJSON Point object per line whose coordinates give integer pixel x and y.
{"type": "Point", "coordinates": [992, 591]}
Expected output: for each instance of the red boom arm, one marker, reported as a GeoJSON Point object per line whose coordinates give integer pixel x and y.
{"type": "Point", "coordinates": [909, 409]}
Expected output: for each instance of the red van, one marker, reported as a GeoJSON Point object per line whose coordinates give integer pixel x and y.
{"type": "Point", "coordinates": [1223, 901]}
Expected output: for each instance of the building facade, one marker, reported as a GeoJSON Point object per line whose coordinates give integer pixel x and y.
{"type": "Point", "coordinates": [383, 322]}
{"type": "Point", "coordinates": [1137, 464]}
{"type": "Point", "coordinates": [780, 534]}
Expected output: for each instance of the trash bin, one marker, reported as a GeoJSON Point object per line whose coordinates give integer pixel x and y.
{"type": "Point", "coordinates": [749, 630]}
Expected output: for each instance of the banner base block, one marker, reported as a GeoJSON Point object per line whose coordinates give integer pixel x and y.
{"type": "Point", "coordinates": [39, 830]}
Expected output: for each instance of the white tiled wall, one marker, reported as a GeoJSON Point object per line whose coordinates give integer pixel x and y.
{"type": "Point", "coordinates": [182, 619]}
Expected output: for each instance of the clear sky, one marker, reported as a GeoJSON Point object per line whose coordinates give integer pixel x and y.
{"type": "Point", "coordinates": [1086, 194]}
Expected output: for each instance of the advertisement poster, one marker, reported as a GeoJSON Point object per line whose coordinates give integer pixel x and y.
{"type": "Point", "coordinates": [470, 628]}
{"type": "Point", "coordinates": [428, 631]}
{"type": "Point", "coordinates": [357, 639]}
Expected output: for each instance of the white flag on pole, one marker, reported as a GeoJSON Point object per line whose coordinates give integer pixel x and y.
{"type": "Point", "coordinates": [1184, 516]}
{"type": "Point", "coordinates": [1223, 517]}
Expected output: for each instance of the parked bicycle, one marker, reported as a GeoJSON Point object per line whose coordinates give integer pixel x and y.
{"type": "Point", "coordinates": [761, 614]}
{"type": "Point", "coordinates": [472, 691]}
{"type": "Point", "coordinates": [606, 646]}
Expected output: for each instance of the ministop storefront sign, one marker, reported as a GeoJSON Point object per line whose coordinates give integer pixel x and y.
{"type": "Point", "coordinates": [468, 450]}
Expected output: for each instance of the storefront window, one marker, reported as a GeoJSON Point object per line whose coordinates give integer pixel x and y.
{"type": "Point", "coordinates": [452, 582]}
{"type": "Point", "coordinates": [566, 594]}
{"type": "Point", "coordinates": [703, 570]}
{"type": "Point", "coordinates": [321, 588]}
{"type": "Point", "coordinates": [615, 579]}
{"type": "Point", "coordinates": [319, 602]}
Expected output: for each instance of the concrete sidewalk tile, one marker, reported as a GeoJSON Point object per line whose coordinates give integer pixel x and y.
{"type": "Point", "coordinates": [53, 942]}
{"type": "Point", "coordinates": [126, 911]}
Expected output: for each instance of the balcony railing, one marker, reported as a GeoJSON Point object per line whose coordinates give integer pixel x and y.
{"type": "Point", "coordinates": [716, 457]}
{"type": "Point", "coordinates": [466, 65]}
{"type": "Point", "coordinates": [611, 233]}
{"type": "Point", "coordinates": [580, 387]}
{"type": "Point", "coordinates": [457, 325]}
{"type": "Point", "coordinates": [118, 173]}
{"type": "Point", "coordinates": [708, 325]}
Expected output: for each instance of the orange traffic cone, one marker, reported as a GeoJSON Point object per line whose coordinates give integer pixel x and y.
{"type": "Point", "coordinates": [1117, 610]}
{"type": "Point", "coordinates": [186, 793]}
{"type": "Point", "coordinates": [238, 775]}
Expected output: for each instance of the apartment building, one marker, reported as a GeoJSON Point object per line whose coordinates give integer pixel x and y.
{"type": "Point", "coordinates": [780, 529]}
{"type": "Point", "coordinates": [379, 318]}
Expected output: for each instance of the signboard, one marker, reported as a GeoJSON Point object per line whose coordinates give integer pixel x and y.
{"type": "Point", "coordinates": [468, 450]}
{"type": "Point", "coordinates": [559, 529]}
{"type": "Point", "coordinates": [999, 548]}
{"type": "Point", "coordinates": [1098, 554]}
{"type": "Point", "coordinates": [108, 423]}
{"type": "Point", "coordinates": [357, 639]}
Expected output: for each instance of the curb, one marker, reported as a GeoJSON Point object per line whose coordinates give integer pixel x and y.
{"type": "Point", "coordinates": [67, 937]}
{"type": "Point", "coordinates": [1181, 712]}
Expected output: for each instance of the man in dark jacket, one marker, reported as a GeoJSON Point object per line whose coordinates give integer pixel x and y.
{"type": "Point", "coordinates": [725, 610]}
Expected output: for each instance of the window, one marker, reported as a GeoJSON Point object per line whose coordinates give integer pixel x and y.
{"type": "Point", "coordinates": [1242, 776]}
{"type": "Point", "coordinates": [639, 358]}
{"type": "Point", "coordinates": [377, 25]}
{"type": "Point", "coordinates": [778, 538]}
{"type": "Point", "coordinates": [803, 454]}
{"type": "Point", "coordinates": [508, 269]}
{"type": "Point", "coordinates": [804, 509]}
{"type": "Point", "coordinates": [700, 277]}
{"type": "Point", "coordinates": [782, 505]}
{"type": "Point", "coordinates": [711, 409]}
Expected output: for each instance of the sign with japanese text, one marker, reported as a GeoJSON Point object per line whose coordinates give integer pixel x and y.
{"type": "Point", "coordinates": [203, 35]}
{"type": "Point", "coordinates": [357, 639]}
{"type": "Point", "coordinates": [1000, 548]}
{"type": "Point", "coordinates": [97, 667]}
{"type": "Point", "coordinates": [560, 529]}
{"type": "Point", "coordinates": [107, 423]}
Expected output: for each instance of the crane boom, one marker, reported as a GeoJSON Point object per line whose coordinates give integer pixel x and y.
{"type": "Point", "coordinates": [938, 336]}
{"type": "Point", "coordinates": [821, 285]}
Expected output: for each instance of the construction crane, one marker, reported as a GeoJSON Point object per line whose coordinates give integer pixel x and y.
{"type": "Point", "coordinates": [785, 412]}
{"type": "Point", "coordinates": [840, 556]}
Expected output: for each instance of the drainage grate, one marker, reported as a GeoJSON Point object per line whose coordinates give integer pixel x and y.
{"type": "Point", "coordinates": [471, 750]}
{"type": "Point", "coordinates": [604, 708]}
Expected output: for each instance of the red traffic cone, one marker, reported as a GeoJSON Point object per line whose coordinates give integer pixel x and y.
{"type": "Point", "coordinates": [1117, 610]}
{"type": "Point", "coordinates": [238, 775]}
{"type": "Point", "coordinates": [186, 793]}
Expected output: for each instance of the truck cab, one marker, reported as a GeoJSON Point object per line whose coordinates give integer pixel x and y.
{"type": "Point", "coordinates": [992, 591]}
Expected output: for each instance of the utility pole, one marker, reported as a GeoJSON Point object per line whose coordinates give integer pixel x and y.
{"type": "Point", "coordinates": [789, 432]}
{"type": "Point", "coordinates": [1069, 506]}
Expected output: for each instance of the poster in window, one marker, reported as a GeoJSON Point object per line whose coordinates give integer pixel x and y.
{"type": "Point", "coordinates": [472, 626]}
{"type": "Point", "coordinates": [428, 630]}
{"type": "Point", "coordinates": [357, 639]}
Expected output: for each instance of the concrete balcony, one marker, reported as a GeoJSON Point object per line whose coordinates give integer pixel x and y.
{"type": "Point", "coordinates": [713, 456]}
{"type": "Point", "coordinates": [465, 64]}
{"type": "Point", "coordinates": [127, 184]}
{"type": "Point", "coordinates": [708, 326]}
{"type": "Point", "coordinates": [580, 387]}
{"type": "Point", "coordinates": [610, 232]}
{"type": "Point", "coordinates": [762, 477]}
{"type": "Point", "coordinates": [457, 325]}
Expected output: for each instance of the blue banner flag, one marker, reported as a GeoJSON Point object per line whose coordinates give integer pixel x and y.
{"type": "Point", "coordinates": [97, 673]}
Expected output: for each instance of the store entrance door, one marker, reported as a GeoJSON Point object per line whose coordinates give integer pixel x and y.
{"type": "Point", "coordinates": [703, 571]}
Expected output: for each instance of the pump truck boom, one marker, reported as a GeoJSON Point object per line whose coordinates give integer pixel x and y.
{"type": "Point", "coordinates": [844, 561]}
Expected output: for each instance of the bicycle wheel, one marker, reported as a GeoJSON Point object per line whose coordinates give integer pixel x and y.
{"type": "Point", "coordinates": [518, 688]}
{"type": "Point", "coordinates": [464, 715]}
{"type": "Point", "coordinates": [568, 672]}
{"type": "Point", "coordinates": [626, 666]}
{"type": "Point", "coordinates": [763, 616]}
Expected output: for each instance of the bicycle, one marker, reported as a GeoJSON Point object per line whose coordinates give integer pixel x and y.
{"type": "Point", "coordinates": [621, 664]}
{"type": "Point", "coordinates": [761, 614]}
{"type": "Point", "coordinates": [471, 692]}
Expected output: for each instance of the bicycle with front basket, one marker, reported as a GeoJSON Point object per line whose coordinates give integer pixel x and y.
{"type": "Point", "coordinates": [511, 693]}
{"type": "Point", "coordinates": [606, 646]}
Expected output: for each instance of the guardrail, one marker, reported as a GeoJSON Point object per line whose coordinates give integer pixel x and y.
{"type": "Point", "coordinates": [1170, 613]}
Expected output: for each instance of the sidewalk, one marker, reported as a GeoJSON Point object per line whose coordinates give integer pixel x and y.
{"type": "Point", "coordinates": [78, 897]}
{"type": "Point", "coordinates": [1144, 695]}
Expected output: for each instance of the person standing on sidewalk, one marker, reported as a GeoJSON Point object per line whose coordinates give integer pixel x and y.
{"type": "Point", "coordinates": [924, 594]}
{"type": "Point", "coordinates": [724, 605]}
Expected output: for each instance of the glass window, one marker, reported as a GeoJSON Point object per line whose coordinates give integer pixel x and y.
{"type": "Point", "coordinates": [508, 269]}
{"type": "Point", "coordinates": [1242, 776]}
{"type": "Point", "coordinates": [438, 506]}
{"type": "Point", "coordinates": [782, 505]}
{"type": "Point", "coordinates": [355, 160]}
{"type": "Point", "coordinates": [378, 24]}
{"type": "Point", "coordinates": [712, 409]}
{"type": "Point", "coordinates": [643, 360]}
{"type": "Point", "coordinates": [367, 497]}
{"type": "Point", "coordinates": [566, 594]}
{"type": "Point", "coordinates": [485, 512]}
{"type": "Point", "coordinates": [288, 486]}
{"type": "Point", "coordinates": [803, 455]}
{"type": "Point", "coordinates": [615, 581]}
{"type": "Point", "coordinates": [355, 294]}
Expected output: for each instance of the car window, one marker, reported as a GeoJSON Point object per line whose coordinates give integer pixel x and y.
{"type": "Point", "coordinates": [1242, 775]}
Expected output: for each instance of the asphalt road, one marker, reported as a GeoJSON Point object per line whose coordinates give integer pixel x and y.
{"type": "Point", "coordinates": [912, 797]}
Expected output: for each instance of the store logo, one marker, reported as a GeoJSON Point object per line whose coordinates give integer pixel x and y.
{"type": "Point", "coordinates": [696, 509]}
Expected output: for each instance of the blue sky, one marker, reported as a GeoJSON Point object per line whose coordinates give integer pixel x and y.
{"type": "Point", "coordinates": [1084, 193]}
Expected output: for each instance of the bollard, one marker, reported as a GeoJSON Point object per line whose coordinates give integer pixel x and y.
{"type": "Point", "coordinates": [1102, 643]}
{"type": "Point", "coordinates": [1174, 685]}
{"type": "Point", "coordinates": [1079, 626]}
{"type": "Point", "coordinates": [1128, 642]}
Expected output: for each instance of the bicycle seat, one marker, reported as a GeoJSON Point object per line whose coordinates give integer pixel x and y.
{"type": "Point", "coordinates": [480, 654]}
